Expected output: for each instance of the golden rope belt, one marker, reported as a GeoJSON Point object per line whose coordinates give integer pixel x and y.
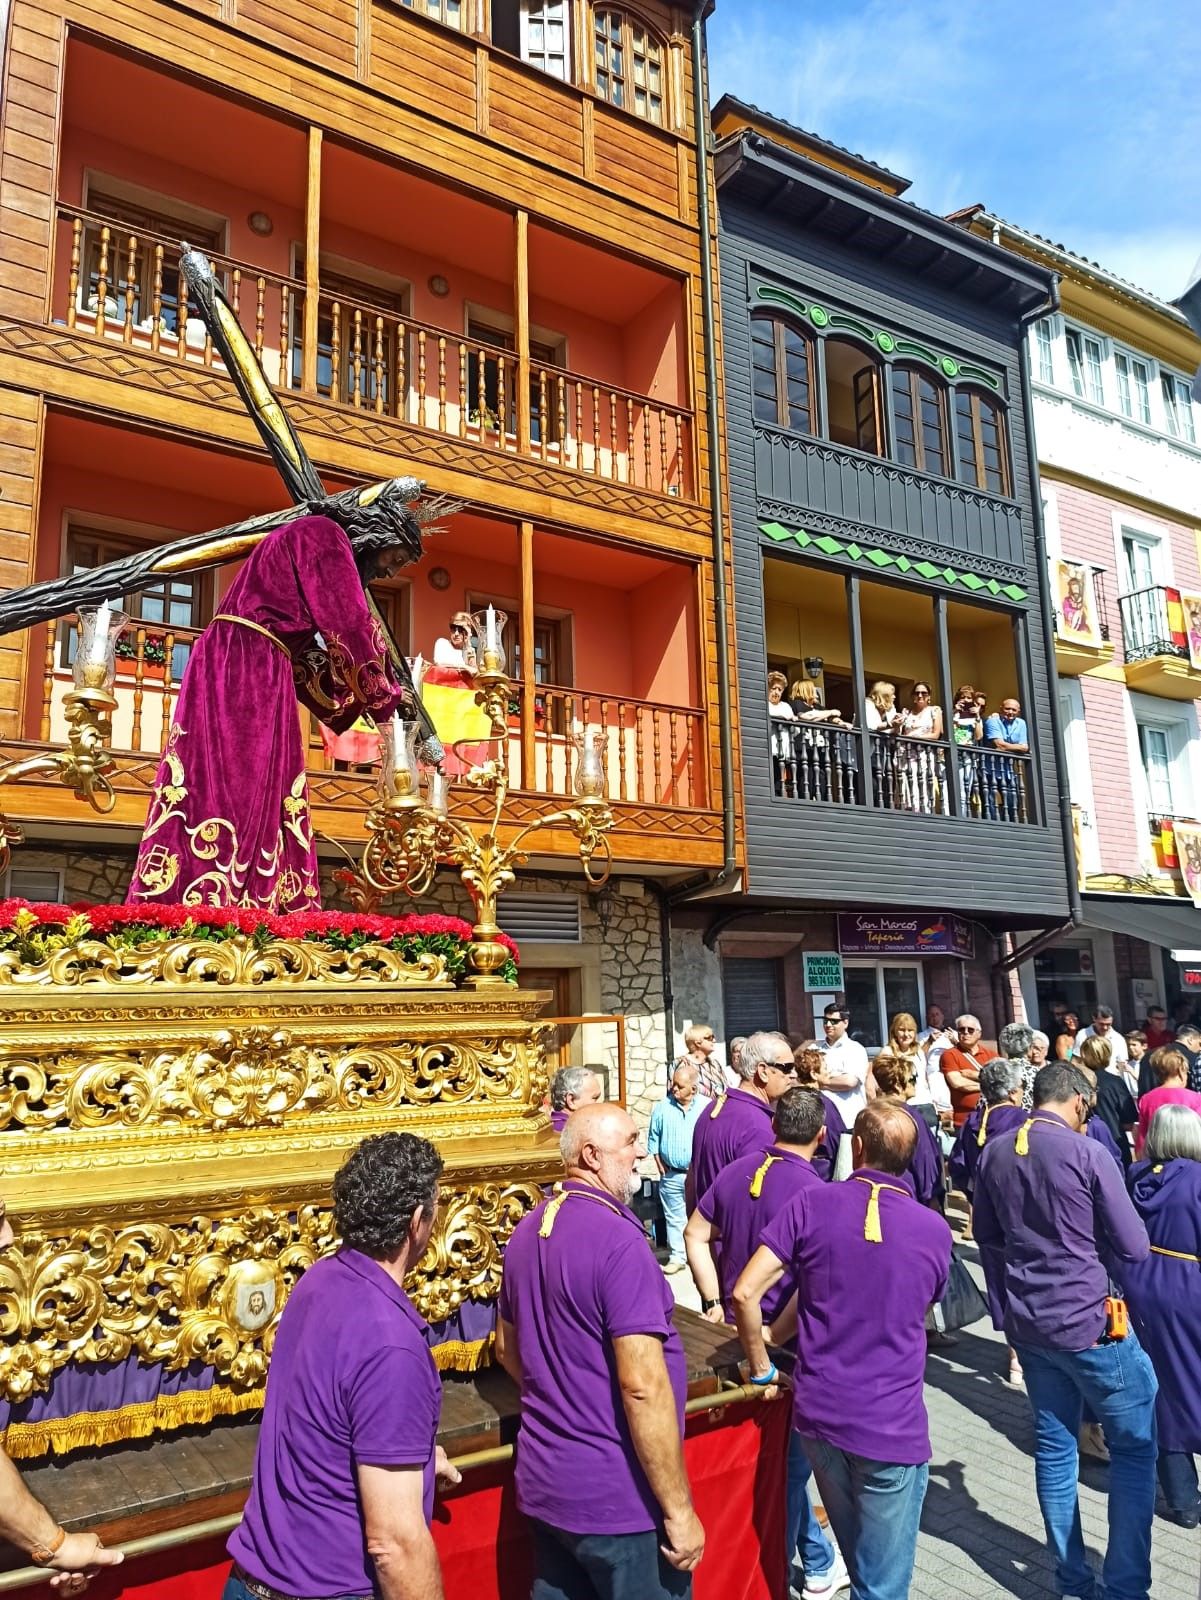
{"type": "Point", "coordinates": [255, 627]}
{"type": "Point", "coordinates": [1177, 1255]}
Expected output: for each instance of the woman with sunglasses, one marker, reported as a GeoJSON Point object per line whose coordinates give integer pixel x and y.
{"type": "Point", "coordinates": [921, 788]}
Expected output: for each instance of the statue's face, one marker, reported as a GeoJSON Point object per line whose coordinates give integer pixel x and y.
{"type": "Point", "coordinates": [386, 563]}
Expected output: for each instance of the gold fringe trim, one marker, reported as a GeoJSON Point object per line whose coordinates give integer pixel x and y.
{"type": "Point", "coordinates": [194, 1407]}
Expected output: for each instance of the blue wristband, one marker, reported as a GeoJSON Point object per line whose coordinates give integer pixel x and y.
{"type": "Point", "coordinates": [768, 1377]}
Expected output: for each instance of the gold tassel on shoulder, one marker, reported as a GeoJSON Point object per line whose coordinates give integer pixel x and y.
{"type": "Point", "coordinates": [717, 1105]}
{"type": "Point", "coordinates": [1021, 1144]}
{"type": "Point", "coordinates": [983, 1133]}
{"type": "Point", "coordinates": [552, 1211]}
{"type": "Point", "coordinates": [871, 1222]}
{"type": "Point", "coordinates": [756, 1188]}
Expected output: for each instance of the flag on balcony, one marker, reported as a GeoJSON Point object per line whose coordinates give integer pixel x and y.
{"type": "Point", "coordinates": [449, 697]}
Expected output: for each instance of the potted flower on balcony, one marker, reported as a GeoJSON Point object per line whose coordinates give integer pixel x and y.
{"type": "Point", "coordinates": [154, 652]}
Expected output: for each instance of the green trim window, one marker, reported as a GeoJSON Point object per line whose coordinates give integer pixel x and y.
{"type": "Point", "coordinates": [782, 374]}
{"type": "Point", "coordinates": [920, 421]}
{"type": "Point", "coordinates": [854, 412]}
{"type": "Point", "coordinates": [980, 431]}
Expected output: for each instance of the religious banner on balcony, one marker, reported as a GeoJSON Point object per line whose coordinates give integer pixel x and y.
{"type": "Point", "coordinates": [1188, 851]}
{"type": "Point", "coordinates": [870, 933]}
{"type": "Point", "coordinates": [1075, 602]}
{"type": "Point", "coordinates": [1192, 623]}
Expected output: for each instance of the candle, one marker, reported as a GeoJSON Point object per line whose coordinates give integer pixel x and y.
{"type": "Point", "coordinates": [491, 637]}
{"type": "Point", "coordinates": [417, 668]}
{"type": "Point", "coordinates": [439, 792]}
{"type": "Point", "coordinates": [99, 651]}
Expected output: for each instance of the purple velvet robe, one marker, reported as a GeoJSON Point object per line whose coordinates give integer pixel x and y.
{"type": "Point", "coordinates": [1164, 1294]}
{"type": "Point", "coordinates": [229, 823]}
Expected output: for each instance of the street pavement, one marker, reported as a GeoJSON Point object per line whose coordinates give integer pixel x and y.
{"type": "Point", "coordinates": [982, 1535]}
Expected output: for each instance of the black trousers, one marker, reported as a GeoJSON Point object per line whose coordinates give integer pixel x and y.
{"type": "Point", "coordinates": [603, 1566]}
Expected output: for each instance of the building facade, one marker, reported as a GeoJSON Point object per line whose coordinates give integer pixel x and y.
{"type": "Point", "coordinates": [884, 531]}
{"type": "Point", "coordinates": [465, 239]}
{"type": "Point", "coordinates": [1119, 447]}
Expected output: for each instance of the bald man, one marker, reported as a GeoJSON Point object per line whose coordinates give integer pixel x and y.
{"type": "Point", "coordinates": [868, 1261]}
{"type": "Point", "coordinates": [585, 1329]}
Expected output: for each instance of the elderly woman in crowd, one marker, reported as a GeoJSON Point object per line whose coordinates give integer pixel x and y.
{"type": "Point", "coordinates": [810, 1063]}
{"type": "Point", "coordinates": [1164, 1294]}
{"type": "Point", "coordinates": [1036, 1060]}
{"type": "Point", "coordinates": [896, 1079]}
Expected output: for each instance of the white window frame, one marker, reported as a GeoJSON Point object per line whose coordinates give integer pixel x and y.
{"type": "Point", "coordinates": [525, 24]}
{"type": "Point", "coordinates": [1044, 336]}
{"type": "Point", "coordinates": [1182, 398]}
{"type": "Point", "coordinates": [1086, 337]}
{"type": "Point", "coordinates": [1178, 720]}
{"type": "Point", "coordinates": [1080, 770]}
{"type": "Point", "coordinates": [1125, 527]}
{"type": "Point", "coordinates": [1126, 384]}
{"type": "Point", "coordinates": [861, 963]}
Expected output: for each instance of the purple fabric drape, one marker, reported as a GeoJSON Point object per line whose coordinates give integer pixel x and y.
{"type": "Point", "coordinates": [229, 823]}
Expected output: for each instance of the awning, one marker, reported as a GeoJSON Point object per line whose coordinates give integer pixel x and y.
{"type": "Point", "coordinates": [1174, 924]}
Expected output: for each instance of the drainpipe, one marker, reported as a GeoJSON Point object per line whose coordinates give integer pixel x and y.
{"type": "Point", "coordinates": [710, 880]}
{"type": "Point", "coordinates": [1075, 910]}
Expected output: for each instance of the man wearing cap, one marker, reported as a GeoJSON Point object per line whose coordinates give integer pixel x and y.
{"type": "Point", "coordinates": [1053, 1219]}
{"type": "Point", "coordinates": [745, 1198]}
{"type": "Point", "coordinates": [571, 1088]}
{"type": "Point", "coordinates": [868, 1261]}
{"type": "Point", "coordinates": [738, 1123]}
{"type": "Point", "coordinates": [844, 1067]}
{"type": "Point", "coordinates": [585, 1329]}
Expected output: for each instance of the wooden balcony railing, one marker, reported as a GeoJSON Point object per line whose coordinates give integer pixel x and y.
{"type": "Point", "coordinates": [654, 754]}
{"type": "Point", "coordinates": [124, 284]}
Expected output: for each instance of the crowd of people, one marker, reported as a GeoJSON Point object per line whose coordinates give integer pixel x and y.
{"type": "Point", "coordinates": [807, 1197]}
{"type": "Point", "coordinates": [812, 758]}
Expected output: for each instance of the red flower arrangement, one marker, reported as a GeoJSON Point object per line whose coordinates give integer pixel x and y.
{"type": "Point", "coordinates": [346, 930]}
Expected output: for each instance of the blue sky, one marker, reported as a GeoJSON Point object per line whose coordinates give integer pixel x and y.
{"type": "Point", "coordinates": [1079, 119]}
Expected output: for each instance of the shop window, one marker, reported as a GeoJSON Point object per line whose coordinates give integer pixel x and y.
{"type": "Point", "coordinates": [155, 280]}
{"type": "Point", "coordinates": [782, 374]}
{"type": "Point", "coordinates": [1065, 975]}
{"type": "Point", "coordinates": [181, 603]}
{"type": "Point", "coordinates": [876, 992]}
{"type": "Point", "coordinates": [629, 65]}
{"type": "Point", "coordinates": [920, 417]}
{"type": "Point", "coordinates": [983, 452]}
{"type": "Point", "coordinates": [853, 408]}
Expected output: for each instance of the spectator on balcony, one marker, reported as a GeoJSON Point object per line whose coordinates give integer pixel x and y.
{"type": "Point", "coordinates": [1170, 1068]}
{"type": "Point", "coordinates": [448, 689]}
{"type": "Point", "coordinates": [782, 752]}
{"type": "Point", "coordinates": [1005, 732]}
{"type": "Point", "coordinates": [921, 788]}
{"type": "Point", "coordinates": [458, 650]}
{"type": "Point", "coordinates": [967, 732]}
{"type": "Point", "coordinates": [880, 712]}
{"type": "Point", "coordinates": [1102, 1028]}
{"type": "Point", "coordinates": [961, 1066]}
{"type": "Point", "coordinates": [806, 702]}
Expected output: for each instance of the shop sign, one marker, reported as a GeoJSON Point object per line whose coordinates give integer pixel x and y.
{"type": "Point", "coordinates": [823, 972]}
{"type": "Point", "coordinates": [877, 934]}
{"type": "Point", "coordinates": [1190, 977]}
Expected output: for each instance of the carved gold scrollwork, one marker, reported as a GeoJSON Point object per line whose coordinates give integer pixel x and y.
{"type": "Point", "coordinates": [212, 1290]}
{"type": "Point", "coordinates": [237, 960]}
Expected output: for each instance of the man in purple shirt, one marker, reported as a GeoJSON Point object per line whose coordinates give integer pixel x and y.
{"type": "Point", "coordinates": [571, 1088]}
{"type": "Point", "coordinates": [1054, 1221]}
{"type": "Point", "coordinates": [867, 1261]}
{"type": "Point", "coordinates": [344, 1470]}
{"type": "Point", "coordinates": [585, 1329]}
{"type": "Point", "coordinates": [738, 1123]}
{"type": "Point", "coordinates": [745, 1198]}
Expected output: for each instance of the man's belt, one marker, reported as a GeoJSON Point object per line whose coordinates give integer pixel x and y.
{"type": "Point", "coordinates": [264, 1591]}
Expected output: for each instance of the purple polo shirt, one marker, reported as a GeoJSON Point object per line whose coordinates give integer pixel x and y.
{"type": "Point", "coordinates": [861, 1313]}
{"type": "Point", "coordinates": [568, 1296]}
{"type": "Point", "coordinates": [352, 1382]}
{"type": "Point", "coordinates": [740, 1217]}
{"type": "Point", "coordinates": [1053, 1224]}
{"type": "Point", "coordinates": [1002, 1117]}
{"type": "Point", "coordinates": [736, 1124]}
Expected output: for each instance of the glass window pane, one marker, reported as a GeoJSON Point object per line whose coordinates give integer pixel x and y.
{"type": "Point", "coordinates": [863, 1000]}
{"type": "Point", "coordinates": [902, 992]}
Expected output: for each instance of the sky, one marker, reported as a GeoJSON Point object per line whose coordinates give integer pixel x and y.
{"type": "Point", "coordinates": [1076, 119]}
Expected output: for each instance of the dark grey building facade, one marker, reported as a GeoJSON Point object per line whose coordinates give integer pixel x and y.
{"type": "Point", "coordinates": [885, 541]}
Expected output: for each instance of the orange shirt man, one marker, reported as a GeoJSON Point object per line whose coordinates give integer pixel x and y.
{"type": "Point", "coordinates": [961, 1067]}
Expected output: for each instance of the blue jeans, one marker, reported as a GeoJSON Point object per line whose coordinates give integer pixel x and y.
{"type": "Point", "coordinates": [235, 1589]}
{"type": "Point", "coordinates": [602, 1566]}
{"type": "Point", "coordinates": [1118, 1385]}
{"type": "Point", "coordinates": [874, 1509]}
{"type": "Point", "coordinates": [803, 1534]}
{"type": "Point", "coordinates": [675, 1211]}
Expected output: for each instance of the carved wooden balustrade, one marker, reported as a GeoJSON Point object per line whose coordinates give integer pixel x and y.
{"type": "Point", "coordinates": [123, 284]}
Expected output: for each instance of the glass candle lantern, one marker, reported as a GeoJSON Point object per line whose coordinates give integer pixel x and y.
{"type": "Point", "coordinates": [490, 639]}
{"type": "Point", "coordinates": [95, 657]}
{"type": "Point", "coordinates": [589, 781]}
{"type": "Point", "coordinates": [438, 791]}
{"type": "Point", "coordinates": [399, 771]}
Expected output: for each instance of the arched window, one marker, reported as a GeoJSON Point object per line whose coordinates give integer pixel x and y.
{"type": "Point", "coordinates": [629, 64]}
{"type": "Point", "coordinates": [853, 397]}
{"type": "Point", "coordinates": [980, 432]}
{"type": "Point", "coordinates": [920, 419]}
{"type": "Point", "coordinates": [782, 374]}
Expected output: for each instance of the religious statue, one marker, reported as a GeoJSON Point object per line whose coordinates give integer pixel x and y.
{"type": "Point", "coordinates": [229, 821]}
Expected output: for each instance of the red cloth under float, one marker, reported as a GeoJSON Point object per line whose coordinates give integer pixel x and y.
{"type": "Point", "coordinates": [736, 1458]}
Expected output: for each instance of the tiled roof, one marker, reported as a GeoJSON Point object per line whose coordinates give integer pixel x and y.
{"type": "Point", "coordinates": [730, 102]}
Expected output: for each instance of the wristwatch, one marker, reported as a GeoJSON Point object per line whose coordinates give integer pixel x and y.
{"type": "Point", "coordinates": [43, 1554]}
{"type": "Point", "coordinates": [709, 1305]}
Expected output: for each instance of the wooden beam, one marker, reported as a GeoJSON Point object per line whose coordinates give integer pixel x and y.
{"type": "Point", "coordinates": [521, 326]}
{"type": "Point", "coordinates": [312, 263]}
{"type": "Point", "coordinates": [528, 774]}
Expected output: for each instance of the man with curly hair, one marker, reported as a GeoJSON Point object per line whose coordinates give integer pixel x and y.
{"type": "Point", "coordinates": [344, 1472]}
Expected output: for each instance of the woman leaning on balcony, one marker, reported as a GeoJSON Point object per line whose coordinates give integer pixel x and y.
{"type": "Point", "coordinates": [921, 788]}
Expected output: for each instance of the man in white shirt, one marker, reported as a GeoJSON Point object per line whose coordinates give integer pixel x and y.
{"type": "Point", "coordinates": [844, 1076]}
{"type": "Point", "coordinates": [1103, 1028]}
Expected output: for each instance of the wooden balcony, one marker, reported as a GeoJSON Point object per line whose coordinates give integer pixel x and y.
{"type": "Point", "coordinates": [124, 287]}
{"type": "Point", "coordinates": [656, 758]}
